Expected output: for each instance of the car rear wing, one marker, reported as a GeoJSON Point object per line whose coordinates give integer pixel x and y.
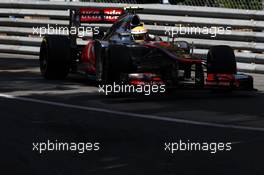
{"type": "Point", "coordinates": [91, 15]}
{"type": "Point", "coordinates": [94, 15]}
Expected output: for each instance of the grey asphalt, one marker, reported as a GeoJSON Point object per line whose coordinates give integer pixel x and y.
{"type": "Point", "coordinates": [130, 144]}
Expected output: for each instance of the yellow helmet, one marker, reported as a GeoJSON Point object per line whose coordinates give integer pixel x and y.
{"type": "Point", "coordinates": [139, 33]}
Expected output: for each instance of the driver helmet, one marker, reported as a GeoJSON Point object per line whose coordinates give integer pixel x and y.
{"type": "Point", "coordinates": [139, 33]}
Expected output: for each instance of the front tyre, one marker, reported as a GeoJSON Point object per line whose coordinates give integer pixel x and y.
{"type": "Point", "coordinates": [221, 60]}
{"type": "Point", "coordinates": [199, 76]}
{"type": "Point", "coordinates": [111, 63]}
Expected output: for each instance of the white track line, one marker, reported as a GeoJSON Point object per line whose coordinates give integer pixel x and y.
{"type": "Point", "coordinates": [144, 116]}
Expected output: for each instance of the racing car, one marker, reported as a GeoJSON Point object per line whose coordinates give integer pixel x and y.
{"type": "Point", "coordinates": [126, 52]}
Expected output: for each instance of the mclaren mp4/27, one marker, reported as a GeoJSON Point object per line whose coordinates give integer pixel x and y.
{"type": "Point", "coordinates": [126, 52]}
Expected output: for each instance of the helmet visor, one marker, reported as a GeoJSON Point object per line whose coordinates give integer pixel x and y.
{"type": "Point", "coordinates": [139, 36]}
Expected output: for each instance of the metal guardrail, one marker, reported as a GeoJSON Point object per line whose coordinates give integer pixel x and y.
{"type": "Point", "coordinates": [18, 17]}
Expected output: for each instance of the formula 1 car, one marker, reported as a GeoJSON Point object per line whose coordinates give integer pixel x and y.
{"type": "Point", "coordinates": [119, 55]}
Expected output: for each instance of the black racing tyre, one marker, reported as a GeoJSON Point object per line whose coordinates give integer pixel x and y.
{"type": "Point", "coordinates": [199, 76]}
{"type": "Point", "coordinates": [99, 56]}
{"type": "Point", "coordinates": [103, 73]}
{"type": "Point", "coordinates": [221, 59]}
{"type": "Point", "coordinates": [111, 63]}
{"type": "Point", "coordinates": [55, 57]}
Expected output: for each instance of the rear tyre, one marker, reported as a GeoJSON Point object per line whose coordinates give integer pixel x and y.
{"type": "Point", "coordinates": [55, 57]}
{"type": "Point", "coordinates": [221, 59]}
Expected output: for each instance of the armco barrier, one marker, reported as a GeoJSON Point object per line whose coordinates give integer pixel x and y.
{"type": "Point", "coordinates": [18, 17]}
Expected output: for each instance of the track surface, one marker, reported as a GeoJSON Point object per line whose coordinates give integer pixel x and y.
{"type": "Point", "coordinates": [132, 142]}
